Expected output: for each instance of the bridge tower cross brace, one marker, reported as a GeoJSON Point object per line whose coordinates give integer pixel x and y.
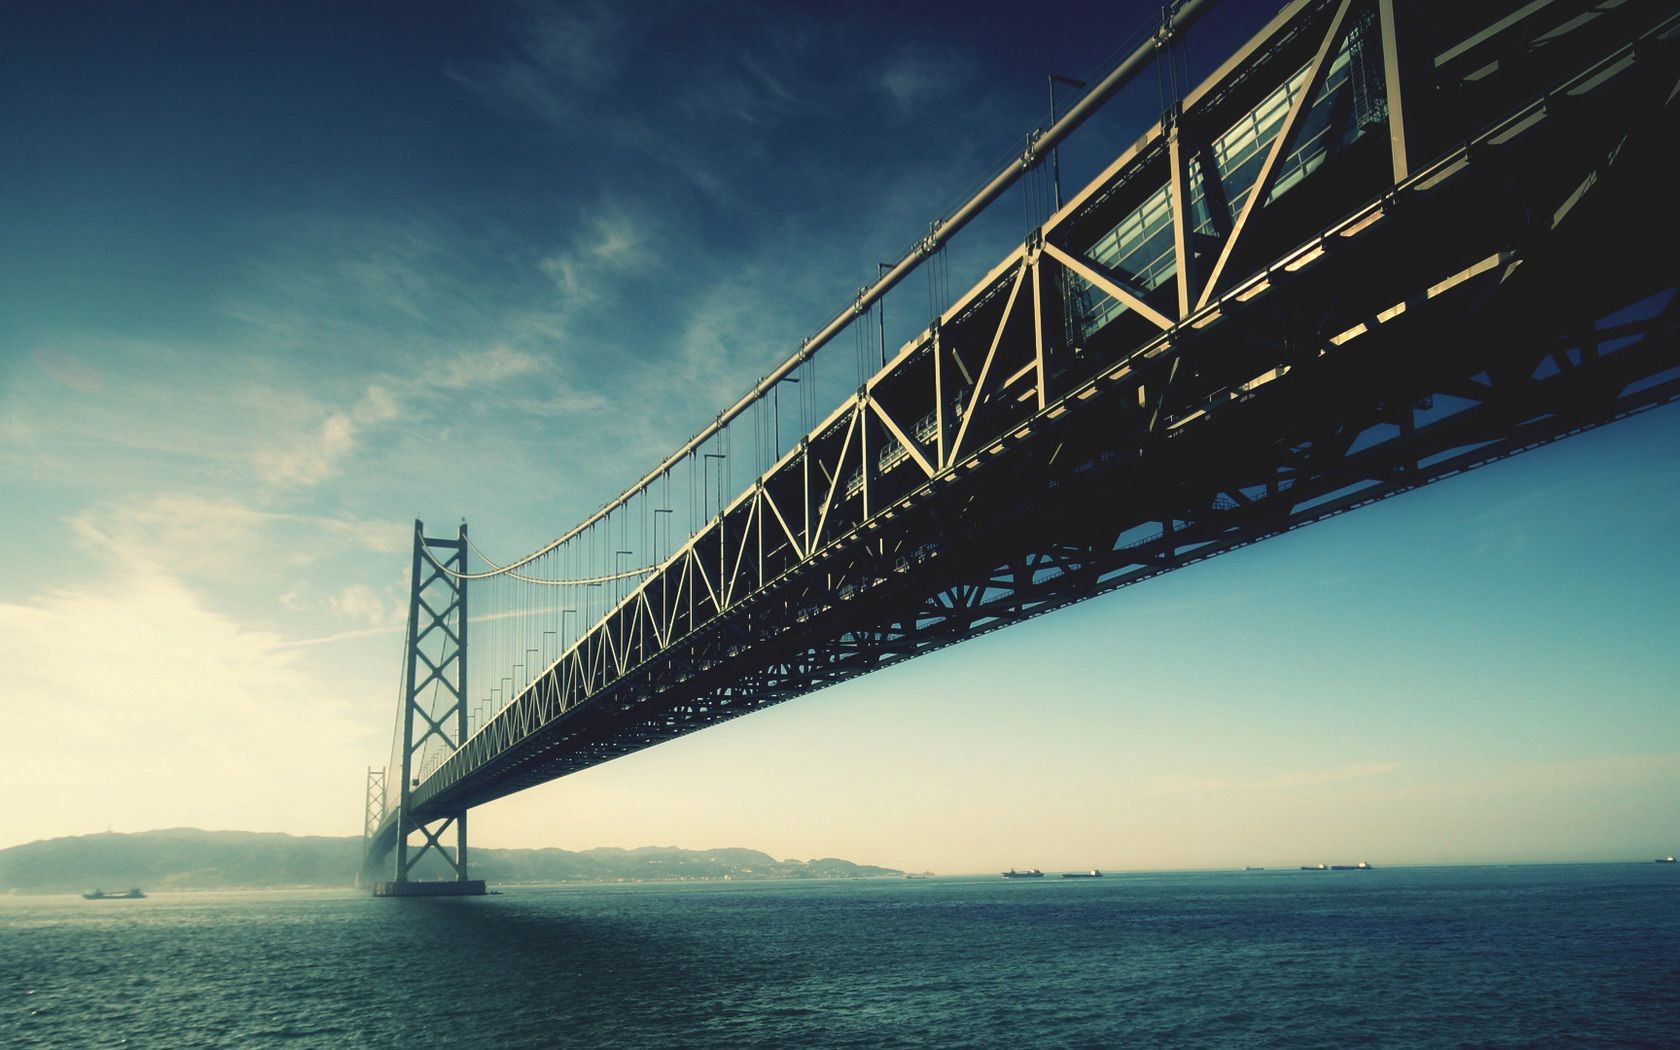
{"type": "Point", "coordinates": [437, 608]}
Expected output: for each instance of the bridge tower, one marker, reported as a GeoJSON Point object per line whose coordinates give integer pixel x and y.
{"type": "Point", "coordinates": [373, 815]}
{"type": "Point", "coordinates": [375, 812]}
{"type": "Point", "coordinates": [434, 701]}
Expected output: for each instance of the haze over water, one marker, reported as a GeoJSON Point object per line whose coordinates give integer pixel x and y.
{"type": "Point", "coordinates": [1421, 956]}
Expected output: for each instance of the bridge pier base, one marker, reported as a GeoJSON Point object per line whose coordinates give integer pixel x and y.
{"type": "Point", "coordinates": [452, 888]}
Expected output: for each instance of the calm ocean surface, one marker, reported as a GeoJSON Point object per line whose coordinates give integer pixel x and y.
{"type": "Point", "coordinates": [1427, 956]}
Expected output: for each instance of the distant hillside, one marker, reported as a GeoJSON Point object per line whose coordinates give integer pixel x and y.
{"type": "Point", "coordinates": [190, 859]}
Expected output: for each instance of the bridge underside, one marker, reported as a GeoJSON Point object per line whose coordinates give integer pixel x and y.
{"type": "Point", "coordinates": [1518, 289]}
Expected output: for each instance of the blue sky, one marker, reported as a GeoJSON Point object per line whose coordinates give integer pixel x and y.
{"type": "Point", "coordinates": [275, 281]}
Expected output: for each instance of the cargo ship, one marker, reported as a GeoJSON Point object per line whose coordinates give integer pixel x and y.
{"type": "Point", "coordinates": [100, 895]}
{"type": "Point", "coordinates": [1092, 874]}
{"type": "Point", "coordinates": [1033, 874]}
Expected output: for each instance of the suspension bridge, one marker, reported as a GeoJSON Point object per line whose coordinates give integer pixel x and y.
{"type": "Point", "coordinates": [1382, 244]}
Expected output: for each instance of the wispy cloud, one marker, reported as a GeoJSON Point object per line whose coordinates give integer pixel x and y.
{"type": "Point", "coordinates": [116, 660]}
{"type": "Point", "coordinates": [609, 246]}
{"type": "Point", "coordinates": [70, 370]}
{"type": "Point", "coordinates": [342, 636]}
{"type": "Point", "coordinates": [359, 602]}
{"type": "Point", "coordinates": [564, 403]}
{"type": "Point", "coordinates": [318, 453]}
{"type": "Point", "coordinates": [556, 56]}
{"type": "Point", "coordinates": [745, 73]}
{"type": "Point", "coordinates": [227, 541]}
{"type": "Point", "coordinates": [914, 76]}
{"type": "Point", "coordinates": [14, 431]}
{"type": "Point", "coordinates": [317, 456]}
{"type": "Point", "coordinates": [364, 283]}
{"type": "Point", "coordinates": [145, 398]}
{"type": "Point", "coordinates": [482, 368]}
{"type": "Point", "coordinates": [1295, 778]}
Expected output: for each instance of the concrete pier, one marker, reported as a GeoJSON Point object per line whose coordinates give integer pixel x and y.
{"type": "Point", "coordinates": [462, 888]}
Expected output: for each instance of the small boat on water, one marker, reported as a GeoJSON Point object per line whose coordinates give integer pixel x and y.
{"type": "Point", "coordinates": [1666, 860]}
{"type": "Point", "coordinates": [1033, 874]}
{"type": "Point", "coordinates": [1252, 867]}
{"type": "Point", "coordinates": [133, 894]}
{"type": "Point", "coordinates": [1092, 874]}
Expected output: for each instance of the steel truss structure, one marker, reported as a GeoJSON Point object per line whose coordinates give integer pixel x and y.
{"type": "Point", "coordinates": [433, 699]}
{"type": "Point", "coordinates": [1383, 244]}
{"type": "Point", "coordinates": [374, 814]}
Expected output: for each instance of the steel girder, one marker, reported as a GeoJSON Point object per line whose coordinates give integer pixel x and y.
{"type": "Point", "coordinates": [1410, 321]}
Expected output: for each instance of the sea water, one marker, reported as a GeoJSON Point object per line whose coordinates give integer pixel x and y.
{"type": "Point", "coordinates": [1426, 956]}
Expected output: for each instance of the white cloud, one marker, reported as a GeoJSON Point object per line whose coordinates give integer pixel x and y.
{"type": "Point", "coordinates": [484, 368]}
{"type": "Point", "coordinates": [169, 714]}
{"type": "Point", "coordinates": [316, 458]}
{"type": "Point", "coordinates": [611, 246]}
{"type": "Point", "coordinates": [360, 602]}
{"type": "Point", "coordinates": [319, 454]}
{"type": "Point", "coordinates": [563, 402]}
{"type": "Point", "coordinates": [376, 406]}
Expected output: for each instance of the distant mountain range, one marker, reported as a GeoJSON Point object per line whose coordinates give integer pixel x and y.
{"type": "Point", "coordinates": [190, 859]}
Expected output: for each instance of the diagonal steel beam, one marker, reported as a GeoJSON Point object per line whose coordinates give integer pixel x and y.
{"type": "Point", "coordinates": [1111, 281]}
{"type": "Point", "coordinates": [793, 541]}
{"type": "Point", "coordinates": [898, 432]}
{"type": "Point", "coordinates": [986, 366]}
{"type": "Point", "coordinates": [700, 571]}
{"type": "Point", "coordinates": [728, 584]}
{"type": "Point", "coordinates": [834, 482]}
{"type": "Point", "coordinates": [1268, 171]}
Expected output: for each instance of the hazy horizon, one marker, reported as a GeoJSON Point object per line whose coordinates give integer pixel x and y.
{"type": "Point", "coordinates": [1111, 869]}
{"type": "Point", "coordinates": [262, 313]}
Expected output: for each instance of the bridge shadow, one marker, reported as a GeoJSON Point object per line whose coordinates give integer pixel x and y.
{"type": "Point", "coordinates": [619, 966]}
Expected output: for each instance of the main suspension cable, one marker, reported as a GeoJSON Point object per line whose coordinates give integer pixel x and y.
{"type": "Point", "coordinates": [508, 571]}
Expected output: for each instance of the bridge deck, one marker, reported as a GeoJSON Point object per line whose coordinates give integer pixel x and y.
{"type": "Point", "coordinates": [1334, 323]}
